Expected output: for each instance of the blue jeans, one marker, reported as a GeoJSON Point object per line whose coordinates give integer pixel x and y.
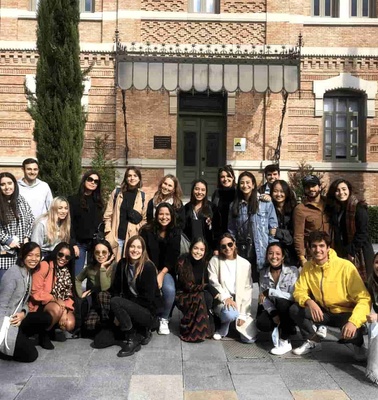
{"type": "Point", "coordinates": [227, 316]}
{"type": "Point", "coordinates": [169, 293]}
{"type": "Point", "coordinates": [2, 272]}
{"type": "Point", "coordinates": [80, 261]}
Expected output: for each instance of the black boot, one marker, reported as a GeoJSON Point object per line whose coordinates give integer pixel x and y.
{"type": "Point", "coordinates": [146, 336]}
{"type": "Point", "coordinates": [130, 345]}
{"type": "Point", "coordinates": [44, 341]}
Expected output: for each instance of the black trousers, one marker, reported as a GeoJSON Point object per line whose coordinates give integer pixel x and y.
{"type": "Point", "coordinates": [130, 314]}
{"type": "Point", "coordinates": [264, 321]}
{"type": "Point", "coordinates": [302, 317]}
{"type": "Point", "coordinates": [33, 323]}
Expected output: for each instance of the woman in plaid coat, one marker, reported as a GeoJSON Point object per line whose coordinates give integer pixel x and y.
{"type": "Point", "coordinates": [16, 221]}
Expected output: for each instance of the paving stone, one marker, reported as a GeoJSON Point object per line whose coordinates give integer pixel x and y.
{"type": "Point", "coordinates": [245, 367]}
{"type": "Point", "coordinates": [260, 387]}
{"type": "Point", "coordinates": [211, 395]}
{"type": "Point", "coordinates": [305, 376]}
{"type": "Point", "coordinates": [351, 378]}
{"type": "Point", "coordinates": [40, 388]}
{"type": "Point", "coordinates": [319, 394]}
{"type": "Point", "coordinates": [151, 362]}
{"type": "Point", "coordinates": [206, 376]}
{"type": "Point", "coordinates": [9, 391]}
{"type": "Point", "coordinates": [156, 387]}
{"type": "Point", "coordinates": [209, 350]}
{"type": "Point", "coordinates": [334, 351]}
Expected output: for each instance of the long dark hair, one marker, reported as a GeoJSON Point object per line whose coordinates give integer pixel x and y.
{"type": "Point", "coordinates": [290, 201]}
{"type": "Point", "coordinates": [281, 246]}
{"type": "Point", "coordinates": [231, 237]}
{"type": "Point", "coordinates": [6, 206]}
{"type": "Point", "coordinates": [230, 172]}
{"type": "Point", "coordinates": [253, 203]}
{"type": "Point", "coordinates": [96, 194]}
{"type": "Point", "coordinates": [185, 267]}
{"type": "Point", "coordinates": [70, 265]}
{"type": "Point", "coordinates": [24, 251]}
{"type": "Point", "coordinates": [125, 185]}
{"type": "Point", "coordinates": [205, 208]}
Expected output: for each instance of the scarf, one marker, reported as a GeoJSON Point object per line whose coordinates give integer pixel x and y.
{"type": "Point", "coordinates": [62, 288]}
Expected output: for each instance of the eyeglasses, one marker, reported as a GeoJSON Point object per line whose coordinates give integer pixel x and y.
{"type": "Point", "coordinates": [91, 180]}
{"type": "Point", "coordinates": [62, 255]}
{"type": "Point", "coordinates": [101, 252]}
{"type": "Point", "coordinates": [229, 244]}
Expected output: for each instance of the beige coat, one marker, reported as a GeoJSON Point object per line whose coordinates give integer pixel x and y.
{"type": "Point", "coordinates": [111, 219]}
{"type": "Point", "coordinates": [243, 292]}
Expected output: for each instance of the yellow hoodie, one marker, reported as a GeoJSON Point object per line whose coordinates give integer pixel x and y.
{"type": "Point", "coordinates": [336, 286]}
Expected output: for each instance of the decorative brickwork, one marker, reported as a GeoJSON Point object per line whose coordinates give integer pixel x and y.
{"type": "Point", "coordinates": [303, 147]}
{"type": "Point", "coordinates": [164, 5]}
{"type": "Point", "coordinates": [173, 32]}
{"type": "Point", "coordinates": [303, 130]}
{"type": "Point", "coordinates": [240, 6]}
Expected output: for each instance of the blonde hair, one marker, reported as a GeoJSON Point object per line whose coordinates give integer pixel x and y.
{"type": "Point", "coordinates": [54, 230]}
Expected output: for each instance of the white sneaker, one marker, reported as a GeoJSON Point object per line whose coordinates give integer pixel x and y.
{"type": "Point", "coordinates": [163, 327]}
{"type": "Point", "coordinates": [307, 347]}
{"type": "Point", "coordinates": [322, 331]}
{"type": "Point", "coordinates": [359, 353]}
{"type": "Point", "coordinates": [284, 346]}
{"type": "Point", "coordinates": [217, 336]}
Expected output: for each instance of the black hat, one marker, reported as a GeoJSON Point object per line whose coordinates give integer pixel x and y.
{"type": "Point", "coordinates": [310, 180]}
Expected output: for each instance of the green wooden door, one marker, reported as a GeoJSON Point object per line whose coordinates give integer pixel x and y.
{"type": "Point", "coordinates": [200, 150]}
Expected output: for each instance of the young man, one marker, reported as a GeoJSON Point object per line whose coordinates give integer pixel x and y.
{"type": "Point", "coordinates": [271, 173]}
{"type": "Point", "coordinates": [329, 291]}
{"type": "Point", "coordinates": [309, 216]}
{"type": "Point", "coordinates": [36, 192]}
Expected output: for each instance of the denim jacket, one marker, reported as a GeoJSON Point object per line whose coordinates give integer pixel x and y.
{"type": "Point", "coordinates": [258, 227]}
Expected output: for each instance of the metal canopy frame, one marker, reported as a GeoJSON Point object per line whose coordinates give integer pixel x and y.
{"type": "Point", "coordinates": [204, 68]}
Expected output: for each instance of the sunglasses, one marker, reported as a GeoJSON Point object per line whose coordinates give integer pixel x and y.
{"type": "Point", "coordinates": [62, 255]}
{"type": "Point", "coordinates": [101, 252]}
{"type": "Point", "coordinates": [229, 244]}
{"type": "Point", "coordinates": [91, 180]}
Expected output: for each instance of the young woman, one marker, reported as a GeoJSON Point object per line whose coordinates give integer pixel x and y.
{"type": "Point", "coordinates": [86, 209]}
{"type": "Point", "coordinates": [349, 226]}
{"type": "Point", "coordinates": [53, 227]}
{"type": "Point", "coordinates": [135, 297]}
{"type": "Point", "coordinates": [194, 297]}
{"type": "Point", "coordinates": [14, 292]}
{"type": "Point", "coordinates": [284, 202]}
{"type": "Point", "coordinates": [98, 274]}
{"type": "Point", "coordinates": [222, 197]}
{"type": "Point", "coordinates": [162, 238]}
{"type": "Point", "coordinates": [199, 214]}
{"type": "Point", "coordinates": [125, 213]}
{"type": "Point", "coordinates": [372, 318]}
{"type": "Point", "coordinates": [52, 289]}
{"type": "Point", "coordinates": [16, 221]}
{"type": "Point", "coordinates": [169, 191]}
{"type": "Point", "coordinates": [231, 276]}
{"type": "Point", "coordinates": [277, 282]}
{"type": "Point", "coordinates": [252, 222]}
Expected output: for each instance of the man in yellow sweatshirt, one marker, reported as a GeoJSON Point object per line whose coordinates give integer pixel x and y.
{"type": "Point", "coordinates": [329, 291]}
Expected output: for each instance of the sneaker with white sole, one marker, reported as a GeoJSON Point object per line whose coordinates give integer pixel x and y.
{"type": "Point", "coordinates": [322, 331]}
{"type": "Point", "coordinates": [163, 327]}
{"type": "Point", "coordinates": [307, 347]}
{"type": "Point", "coordinates": [359, 353]}
{"type": "Point", "coordinates": [284, 346]}
{"type": "Point", "coordinates": [217, 336]}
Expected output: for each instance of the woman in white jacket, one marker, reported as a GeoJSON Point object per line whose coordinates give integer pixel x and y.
{"type": "Point", "coordinates": [231, 276]}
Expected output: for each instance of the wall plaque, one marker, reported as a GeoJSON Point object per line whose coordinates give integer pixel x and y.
{"type": "Point", "coordinates": [162, 142]}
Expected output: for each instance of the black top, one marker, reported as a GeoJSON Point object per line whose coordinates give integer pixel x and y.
{"type": "Point", "coordinates": [146, 286]}
{"type": "Point", "coordinates": [179, 212]}
{"type": "Point", "coordinates": [222, 198]}
{"type": "Point", "coordinates": [84, 222]}
{"type": "Point", "coordinates": [163, 252]}
{"type": "Point", "coordinates": [127, 205]}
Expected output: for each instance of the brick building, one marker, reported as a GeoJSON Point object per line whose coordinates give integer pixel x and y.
{"type": "Point", "coordinates": [190, 129]}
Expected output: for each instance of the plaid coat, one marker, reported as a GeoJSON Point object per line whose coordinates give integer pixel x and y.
{"type": "Point", "coordinates": [21, 228]}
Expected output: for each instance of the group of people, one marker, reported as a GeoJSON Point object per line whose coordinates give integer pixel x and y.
{"type": "Point", "coordinates": [139, 259]}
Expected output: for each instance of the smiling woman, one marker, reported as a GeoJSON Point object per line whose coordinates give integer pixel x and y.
{"type": "Point", "coordinates": [53, 227]}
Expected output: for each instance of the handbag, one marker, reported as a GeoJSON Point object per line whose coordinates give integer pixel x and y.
{"type": "Point", "coordinates": [99, 235]}
{"type": "Point", "coordinates": [5, 327]}
{"type": "Point", "coordinates": [134, 217]}
{"type": "Point", "coordinates": [184, 244]}
{"type": "Point", "coordinates": [244, 240]}
{"type": "Point", "coordinates": [360, 264]}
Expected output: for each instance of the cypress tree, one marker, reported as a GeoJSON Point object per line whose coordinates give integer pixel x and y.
{"type": "Point", "coordinates": [56, 106]}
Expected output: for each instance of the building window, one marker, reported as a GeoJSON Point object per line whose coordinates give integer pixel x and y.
{"type": "Point", "coordinates": [85, 5]}
{"type": "Point", "coordinates": [204, 6]}
{"type": "Point", "coordinates": [362, 8]}
{"type": "Point", "coordinates": [343, 127]}
{"type": "Point", "coordinates": [325, 8]}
